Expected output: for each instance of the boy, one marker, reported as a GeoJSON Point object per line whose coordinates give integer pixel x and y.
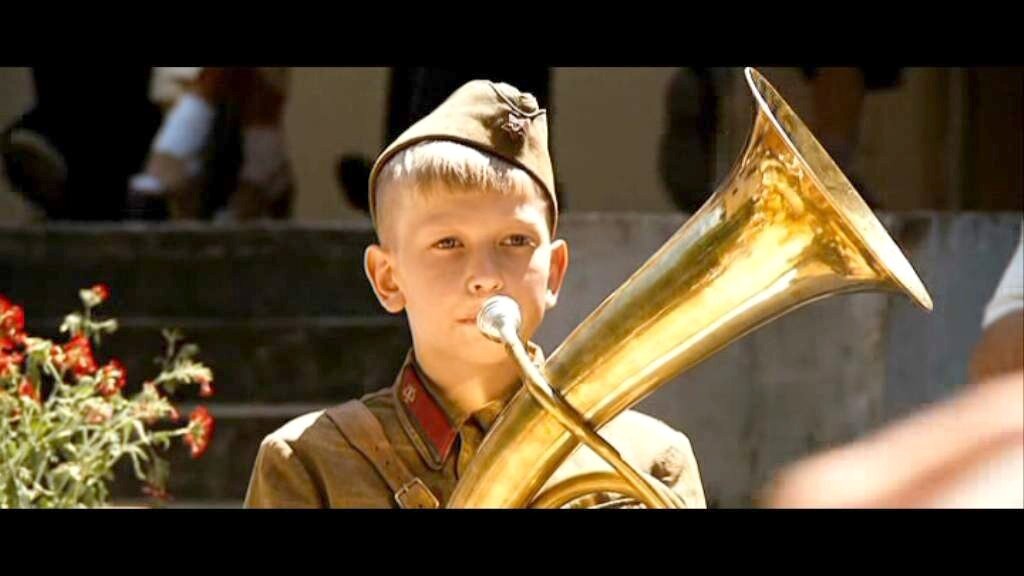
{"type": "Point", "coordinates": [464, 208]}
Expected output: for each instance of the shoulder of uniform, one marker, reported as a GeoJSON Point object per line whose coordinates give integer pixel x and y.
{"type": "Point", "coordinates": [294, 429]}
{"type": "Point", "coordinates": [647, 423]}
{"type": "Point", "coordinates": [648, 437]}
{"type": "Point", "coordinates": [381, 398]}
{"type": "Point", "coordinates": [306, 433]}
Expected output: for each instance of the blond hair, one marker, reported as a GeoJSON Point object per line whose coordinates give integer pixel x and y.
{"type": "Point", "coordinates": [440, 166]}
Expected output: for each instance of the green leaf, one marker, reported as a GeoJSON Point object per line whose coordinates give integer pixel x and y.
{"type": "Point", "coordinates": [72, 323]}
{"type": "Point", "coordinates": [107, 326]}
{"type": "Point", "coordinates": [188, 351]}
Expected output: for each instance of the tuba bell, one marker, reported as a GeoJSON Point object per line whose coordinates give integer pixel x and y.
{"type": "Point", "coordinates": [784, 229]}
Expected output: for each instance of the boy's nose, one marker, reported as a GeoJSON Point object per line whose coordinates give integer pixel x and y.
{"type": "Point", "coordinates": [484, 285]}
{"type": "Point", "coordinates": [484, 278]}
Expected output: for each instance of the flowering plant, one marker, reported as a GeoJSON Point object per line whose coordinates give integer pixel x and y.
{"type": "Point", "coordinates": [66, 421]}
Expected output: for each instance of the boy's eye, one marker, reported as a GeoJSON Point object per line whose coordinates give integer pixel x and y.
{"type": "Point", "coordinates": [447, 243]}
{"type": "Point", "coordinates": [518, 240]}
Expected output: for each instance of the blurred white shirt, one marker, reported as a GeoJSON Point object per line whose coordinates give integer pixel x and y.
{"type": "Point", "coordinates": [1009, 295]}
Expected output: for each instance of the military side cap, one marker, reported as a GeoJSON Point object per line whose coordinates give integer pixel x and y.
{"type": "Point", "coordinates": [492, 117]}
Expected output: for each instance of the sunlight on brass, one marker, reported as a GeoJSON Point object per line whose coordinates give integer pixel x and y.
{"type": "Point", "coordinates": [785, 228]}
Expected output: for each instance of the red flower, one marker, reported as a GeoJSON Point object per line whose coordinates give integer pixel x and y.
{"type": "Point", "coordinates": [27, 390]}
{"type": "Point", "coordinates": [101, 291]}
{"type": "Point", "coordinates": [205, 386]}
{"type": "Point", "coordinates": [16, 319]}
{"type": "Point", "coordinates": [12, 321]}
{"type": "Point", "coordinates": [78, 356]}
{"type": "Point", "coordinates": [9, 361]}
{"type": "Point", "coordinates": [110, 378]}
{"type": "Point", "coordinates": [12, 324]}
{"type": "Point", "coordinates": [200, 431]}
{"type": "Point", "coordinates": [98, 412]}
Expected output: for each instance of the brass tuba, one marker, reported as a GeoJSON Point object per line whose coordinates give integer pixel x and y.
{"type": "Point", "coordinates": [784, 229]}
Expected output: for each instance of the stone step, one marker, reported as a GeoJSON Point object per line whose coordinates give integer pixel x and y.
{"type": "Point", "coordinates": [189, 271]}
{"type": "Point", "coordinates": [267, 360]}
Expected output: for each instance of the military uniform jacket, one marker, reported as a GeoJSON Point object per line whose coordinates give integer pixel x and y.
{"type": "Point", "coordinates": [309, 462]}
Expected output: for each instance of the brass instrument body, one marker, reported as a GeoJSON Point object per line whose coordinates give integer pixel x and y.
{"type": "Point", "coordinates": [784, 229]}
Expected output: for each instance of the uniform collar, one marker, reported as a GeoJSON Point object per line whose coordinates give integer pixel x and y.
{"type": "Point", "coordinates": [433, 424]}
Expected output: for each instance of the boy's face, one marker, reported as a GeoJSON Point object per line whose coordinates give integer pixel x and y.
{"type": "Point", "coordinates": [448, 253]}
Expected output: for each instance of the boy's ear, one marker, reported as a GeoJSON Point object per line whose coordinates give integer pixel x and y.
{"type": "Point", "coordinates": [556, 274]}
{"type": "Point", "coordinates": [380, 271]}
